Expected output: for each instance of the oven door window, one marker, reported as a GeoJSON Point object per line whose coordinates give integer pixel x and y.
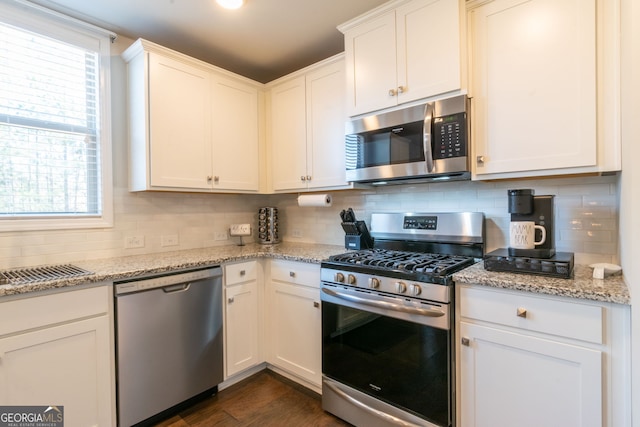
{"type": "Point", "coordinates": [390, 146]}
{"type": "Point", "coordinates": [402, 363]}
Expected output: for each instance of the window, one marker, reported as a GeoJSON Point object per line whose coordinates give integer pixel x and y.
{"type": "Point", "coordinates": [55, 162]}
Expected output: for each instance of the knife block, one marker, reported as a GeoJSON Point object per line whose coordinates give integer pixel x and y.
{"type": "Point", "coordinates": [357, 235]}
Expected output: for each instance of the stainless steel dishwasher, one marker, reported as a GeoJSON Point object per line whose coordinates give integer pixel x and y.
{"type": "Point", "coordinates": [168, 342]}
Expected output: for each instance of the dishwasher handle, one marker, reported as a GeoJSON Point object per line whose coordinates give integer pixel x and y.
{"type": "Point", "coordinates": [168, 282]}
{"type": "Point", "coordinates": [174, 289]}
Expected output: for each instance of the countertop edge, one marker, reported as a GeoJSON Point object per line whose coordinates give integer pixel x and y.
{"type": "Point", "coordinates": [581, 285]}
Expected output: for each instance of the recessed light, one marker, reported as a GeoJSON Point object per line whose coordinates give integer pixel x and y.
{"type": "Point", "coordinates": [230, 4]}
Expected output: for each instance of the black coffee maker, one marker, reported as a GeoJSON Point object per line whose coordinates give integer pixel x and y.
{"type": "Point", "coordinates": [543, 258]}
{"type": "Point", "coordinates": [525, 206]}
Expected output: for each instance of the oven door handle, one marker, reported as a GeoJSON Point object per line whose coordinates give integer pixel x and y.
{"type": "Point", "coordinates": [430, 312]}
{"type": "Point", "coordinates": [375, 412]}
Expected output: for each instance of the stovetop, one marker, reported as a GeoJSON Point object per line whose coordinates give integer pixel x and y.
{"type": "Point", "coordinates": [412, 247]}
{"type": "Point", "coordinates": [437, 264]}
{"type": "Point", "coordinates": [415, 266]}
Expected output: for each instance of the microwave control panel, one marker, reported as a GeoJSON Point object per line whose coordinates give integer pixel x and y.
{"type": "Point", "coordinates": [450, 136]}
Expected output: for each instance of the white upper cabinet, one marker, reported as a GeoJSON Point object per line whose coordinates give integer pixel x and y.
{"type": "Point", "coordinates": [306, 128]}
{"type": "Point", "coordinates": [543, 87]}
{"type": "Point", "coordinates": [401, 52]}
{"type": "Point", "coordinates": [192, 126]}
{"type": "Point", "coordinates": [236, 161]}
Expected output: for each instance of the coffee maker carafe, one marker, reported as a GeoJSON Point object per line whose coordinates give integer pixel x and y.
{"type": "Point", "coordinates": [532, 222]}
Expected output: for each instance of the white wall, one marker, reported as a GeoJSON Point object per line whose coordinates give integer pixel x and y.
{"type": "Point", "coordinates": [630, 181]}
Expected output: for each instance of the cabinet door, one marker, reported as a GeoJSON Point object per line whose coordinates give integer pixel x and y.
{"type": "Point", "coordinates": [295, 335]}
{"type": "Point", "coordinates": [288, 135]}
{"type": "Point", "coordinates": [236, 164]}
{"type": "Point", "coordinates": [326, 119]}
{"type": "Point", "coordinates": [66, 365]}
{"type": "Point", "coordinates": [370, 49]}
{"type": "Point", "coordinates": [511, 379]}
{"type": "Point", "coordinates": [179, 123]}
{"type": "Point", "coordinates": [241, 327]}
{"type": "Point", "coordinates": [534, 85]}
{"type": "Point", "coordinates": [428, 52]}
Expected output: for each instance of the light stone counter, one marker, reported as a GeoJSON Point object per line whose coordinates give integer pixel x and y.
{"type": "Point", "coordinates": [582, 285]}
{"type": "Point", "coordinates": [113, 269]}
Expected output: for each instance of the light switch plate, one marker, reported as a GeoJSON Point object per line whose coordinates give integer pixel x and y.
{"type": "Point", "coordinates": [240, 230]}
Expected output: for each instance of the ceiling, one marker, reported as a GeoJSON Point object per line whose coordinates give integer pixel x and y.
{"type": "Point", "coordinates": [263, 40]}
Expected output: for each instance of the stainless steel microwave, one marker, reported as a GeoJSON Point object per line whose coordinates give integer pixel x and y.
{"type": "Point", "coordinates": [426, 142]}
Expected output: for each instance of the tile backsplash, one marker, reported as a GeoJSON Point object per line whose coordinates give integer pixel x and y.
{"type": "Point", "coordinates": [586, 211]}
{"type": "Point", "coordinates": [586, 219]}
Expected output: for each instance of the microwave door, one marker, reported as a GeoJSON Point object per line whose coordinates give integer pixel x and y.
{"type": "Point", "coordinates": [428, 137]}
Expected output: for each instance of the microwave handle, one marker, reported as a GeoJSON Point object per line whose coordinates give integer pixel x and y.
{"type": "Point", "coordinates": [427, 136]}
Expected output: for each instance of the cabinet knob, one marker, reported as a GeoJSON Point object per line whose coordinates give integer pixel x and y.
{"type": "Point", "coordinates": [231, 300]}
{"type": "Point", "coordinates": [480, 160]}
{"type": "Point", "coordinates": [308, 177]}
{"type": "Point", "coordinates": [303, 178]}
{"type": "Point", "coordinates": [465, 341]}
{"type": "Point", "coordinates": [392, 92]}
{"type": "Point", "coordinates": [400, 89]}
{"type": "Point", "coordinates": [316, 304]}
{"type": "Point", "coordinates": [242, 272]}
{"type": "Point", "coordinates": [209, 178]}
{"type": "Point", "coordinates": [521, 312]}
{"type": "Point", "coordinates": [292, 274]}
{"type": "Point", "coordinates": [216, 179]}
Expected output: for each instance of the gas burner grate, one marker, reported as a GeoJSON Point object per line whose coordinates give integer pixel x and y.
{"type": "Point", "coordinates": [436, 264]}
{"type": "Point", "coordinates": [23, 276]}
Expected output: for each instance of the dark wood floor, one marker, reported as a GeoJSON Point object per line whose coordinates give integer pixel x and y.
{"type": "Point", "coordinates": [264, 399]}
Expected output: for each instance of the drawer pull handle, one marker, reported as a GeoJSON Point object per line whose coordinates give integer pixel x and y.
{"type": "Point", "coordinates": [242, 272]}
{"type": "Point", "coordinates": [521, 312]}
{"type": "Point", "coordinates": [292, 274]}
{"type": "Point", "coordinates": [465, 341]}
{"type": "Point", "coordinates": [316, 304]}
{"type": "Point", "coordinates": [231, 300]}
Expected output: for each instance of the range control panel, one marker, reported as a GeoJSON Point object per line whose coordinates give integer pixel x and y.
{"type": "Point", "coordinates": [449, 136]}
{"type": "Point", "coordinates": [420, 223]}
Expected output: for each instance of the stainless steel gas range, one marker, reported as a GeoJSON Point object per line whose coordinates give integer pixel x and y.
{"type": "Point", "coordinates": [388, 320]}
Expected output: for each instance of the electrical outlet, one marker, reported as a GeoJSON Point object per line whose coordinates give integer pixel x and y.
{"type": "Point", "coordinates": [240, 229]}
{"type": "Point", "coordinates": [135, 241]}
{"type": "Point", "coordinates": [220, 235]}
{"type": "Point", "coordinates": [297, 232]}
{"type": "Point", "coordinates": [169, 240]}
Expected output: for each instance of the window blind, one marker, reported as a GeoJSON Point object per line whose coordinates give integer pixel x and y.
{"type": "Point", "coordinates": [49, 127]}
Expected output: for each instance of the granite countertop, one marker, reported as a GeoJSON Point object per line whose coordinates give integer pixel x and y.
{"type": "Point", "coordinates": [113, 269]}
{"type": "Point", "coordinates": [581, 285]}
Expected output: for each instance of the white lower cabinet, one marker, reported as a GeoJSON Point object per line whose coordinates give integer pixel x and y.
{"type": "Point", "coordinates": [530, 360]}
{"type": "Point", "coordinates": [60, 355]}
{"type": "Point", "coordinates": [295, 320]}
{"type": "Point", "coordinates": [242, 314]}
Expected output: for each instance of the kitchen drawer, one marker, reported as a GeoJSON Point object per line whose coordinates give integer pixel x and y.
{"type": "Point", "coordinates": [300, 273]}
{"type": "Point", "coordinates": [541, 314]}
{"type": "Point", "coordinates": [34, 312]}
{"type": "Point", "coordinates": [240, 273]}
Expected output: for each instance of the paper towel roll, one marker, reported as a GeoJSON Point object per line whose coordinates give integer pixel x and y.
{"type": "Point", "coordinates": [318, 200]}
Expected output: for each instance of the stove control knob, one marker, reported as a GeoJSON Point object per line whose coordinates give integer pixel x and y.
{"type": "Point", "coordinates": [401, 287]}
{"type": "Point", "coordinates": [415, 290]}
{"type": "Point", "coordinates": [339, 277]}
{"type": "Point", "coordinates": [374, 283]}
{"type": "Point", "coordinates": [351, 279]}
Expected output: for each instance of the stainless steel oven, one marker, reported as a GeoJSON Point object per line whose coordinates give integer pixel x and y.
{"type": "Point", "coordinates": [388, 323]}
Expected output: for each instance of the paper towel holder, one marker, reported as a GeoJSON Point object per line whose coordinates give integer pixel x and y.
{"type": "Point", "coordinates": [315, 200]}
